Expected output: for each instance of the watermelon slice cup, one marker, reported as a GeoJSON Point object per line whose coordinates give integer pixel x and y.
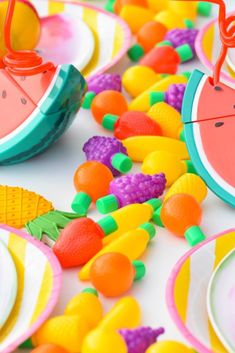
{"type": "Point", "coordinates": [209, 124]}
{"type": "Point", "coordinates": [36, 110]}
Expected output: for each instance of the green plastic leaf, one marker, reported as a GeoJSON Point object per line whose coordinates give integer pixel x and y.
{"type": "Point", "coordinates": [50, 224]}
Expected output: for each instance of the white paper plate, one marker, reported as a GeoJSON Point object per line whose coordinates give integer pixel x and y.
{"type": "Point", "coordinates": [221, 301]}
{"type": "Point", "coordinates": [8, 284]}
{"type": "Point", "coordinates": [66, 39]}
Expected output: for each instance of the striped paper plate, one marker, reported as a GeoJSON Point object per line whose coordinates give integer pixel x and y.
{"type": "Point", "coordinates": [187, 291]}
{"type": "Point", "coordinates": [222, 290]}
{"type": "Point", "coordinates": [8, 283]}
{"type": "Point", "coordinates": [39, 282]}
{"type": "Point", "coordinates": [111, 34]}
{"type": "Point", "coordinates": [208, 47]}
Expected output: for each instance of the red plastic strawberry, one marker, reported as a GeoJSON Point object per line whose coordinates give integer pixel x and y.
{"type": "Point", "coordinates": [131, 123]}
{"type": "Point", "coordinates": [80, 240]}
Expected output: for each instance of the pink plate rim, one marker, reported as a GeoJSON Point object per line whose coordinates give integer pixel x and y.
{"type": "Point", "coordinates": [57, 271]}
{"type": "Point", "coordinates": [201, 55]}
{"type": "Point", "coordinates": [123, 24]}
{"type": "Point", "coordinates": [170, 294]}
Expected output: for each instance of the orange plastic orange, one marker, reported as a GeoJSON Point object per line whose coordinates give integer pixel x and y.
{"type": "Point", "coordinates": [93, 178]}
{"type": "Point", "coordinates": [150, 34]}
{"type": "Point", "coordinates": [25, 62]}
{"type": "Point", "coordinates": [49, 348]}
{"type": "Point", "coordinates": [180, 212]}
{"type": "Point", "coordinates": [112, 274]}
{"type": "Point", "coordinates": [119, 3]}
{"type": "Point", "coordinates": [108, 102]}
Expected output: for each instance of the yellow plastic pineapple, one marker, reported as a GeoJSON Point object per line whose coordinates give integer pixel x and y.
{"type": "Point", "coordinates": [22, 208]}
{"type": "Point", "coordinates": [19, 206]}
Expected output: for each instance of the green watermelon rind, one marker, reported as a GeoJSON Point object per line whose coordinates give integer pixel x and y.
{"type": "Point", "coordinates": [48, 123]}
{"type": "Point", "coordinates": [187, 113]}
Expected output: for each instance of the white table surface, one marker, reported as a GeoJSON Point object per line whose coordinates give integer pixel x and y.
{"type": "Point", "coordinates": [51, 174]}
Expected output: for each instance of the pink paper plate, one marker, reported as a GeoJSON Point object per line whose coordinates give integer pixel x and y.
{"type": "Point", "coordinates": [187, 291]}
{"type": "Point", "coordinates": [39, 283]}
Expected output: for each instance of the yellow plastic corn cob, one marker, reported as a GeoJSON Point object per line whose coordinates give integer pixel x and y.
{"type": "Point", "coordinates": [142, 102]}
{"type": "Point", "coordinates": [188, 184]}
{"type": "Point", "coordinates": [65, 331]}
{"type": "Point", "coordinates": [168, 118]}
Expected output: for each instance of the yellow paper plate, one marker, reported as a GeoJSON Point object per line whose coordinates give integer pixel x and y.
{"type": "Point", "coordinates": [208, 47]}
{"type": "Point", "coordinates": [187, 291]}
{"type": "Point", "coordinates": [111, 34]}
{"type": "Point", "coordinates": [39, 282]}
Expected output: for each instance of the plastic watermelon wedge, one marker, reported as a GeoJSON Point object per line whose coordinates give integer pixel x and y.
{"type": "Point", "coordinates": [36, 110]}
{"type": "Point", "coordinates": [209, 123]}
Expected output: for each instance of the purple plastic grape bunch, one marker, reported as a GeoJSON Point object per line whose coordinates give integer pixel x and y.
{"type": "Point", "coordinates": [103, 82]}
{"type": "Point", "coordinates": [109, 151]}
{"type": "Point", "coordinates": [131, 188]}
{"type": "Point", "coordinates": [100, 83]}
{"type": "Point", "coordinates": [140, 339]}
{"type": "Point", "coordinates": [182, 36]}
{"type": "Point", "coordinates": [174, 96]}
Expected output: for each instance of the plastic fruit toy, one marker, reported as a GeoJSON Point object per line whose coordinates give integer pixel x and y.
{"type": "Point", "coordinates": [167, 163]}
{"type": "Point", "coordinates": [110, 152]}
{"type": "Point", "coordinates": [138, 147]}
{"type": "Point", "coordinates": [170, 19]}
{"type": "Point", "coordinates": [86, 305]}
{"type": "Point", "coordinates": [131, 124]}
{"type": "Point", "coordinates": [91, 181]}
{"type": "Point", "coordinates": [65, 331]}
{"type": "Point", "coordinates": [142, 102]}
{"type": "Point", "coordinates": [182, 36]}
{"type": "Point", "coordinates": [132, 244]}
{"type": "Point", "coordinates": [165, 59]}
{"type": "Point", "coordinates": [181, 214]}
{"type": "Point", "coordinates": [137, 214]}
{"type": "Point", "coordinates": [136, 16]}
{"type": "Point", "coordinates": [108, 102]}
{"type": "Point", "coordinates": [150, 34]}
{"type": "Point", "coordinates": [120, 3]}
{"type": "Point", "coordinates": [169, 347]}
{"type": "Point", "coordinates": [19, 206]}
{"type": "Point", "coordinates": [80, 240]}
{"type": "Point", "coordinates": [138, 340]}
{"type": "Point", "coordinates": [100, 83]}
{"type": "Point", "coordinates": [103, 82]}
{"type": "Point", "coordinates": [136, 79]}
{"type": "Point", "coordinates": [23, 36]}
{"type": "Point", "coordinates": [158, 5]}
{"type": "Point", "coordinates": [131, 188]}
{"type": "Point", "coordinates": [168, 118]}
{"type": "Point", "coordinates": [185, 9]}
{"type": "Point", "coordinates": [188, 184]}
{"type": "Point", "coordinates": [104, 341]}
{"type": "Point", "coordinates": [112, 274]}
{"type": "Point", "coordinates": [49, 348]}
{"type": "Point", "coordinates": [173, 96]}
{"type": "Point", "coordinates": [126, 312]}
